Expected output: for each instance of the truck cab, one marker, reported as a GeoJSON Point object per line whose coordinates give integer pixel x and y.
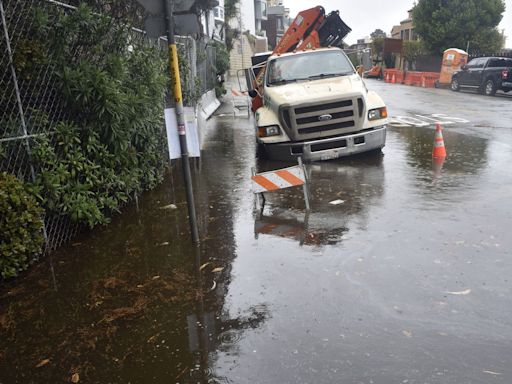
{"type": "Point", "coordinates": [316, 106]}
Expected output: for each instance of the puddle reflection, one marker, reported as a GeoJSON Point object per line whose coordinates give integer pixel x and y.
{"type": "Point", "coordinates": [341, 191]}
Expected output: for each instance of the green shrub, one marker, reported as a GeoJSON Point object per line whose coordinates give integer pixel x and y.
{"type": "Point", "coordinates": [110, 143]}
{"type": "Point", "coordinates": [21, 226]}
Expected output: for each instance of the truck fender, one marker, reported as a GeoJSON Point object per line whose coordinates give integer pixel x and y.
{"type": "Point", "coordinates": [373, 100]}
{"type": "Point", "coordinates": [265, 116]}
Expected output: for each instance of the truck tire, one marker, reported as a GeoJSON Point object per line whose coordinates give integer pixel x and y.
{"type": "Point", "coordinates": [489, 88]}
{"type": "Point", "coordinates": [455, 85]}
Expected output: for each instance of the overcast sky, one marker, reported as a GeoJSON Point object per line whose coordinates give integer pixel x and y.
{"type": "Point", "coordinates": [367, 15]}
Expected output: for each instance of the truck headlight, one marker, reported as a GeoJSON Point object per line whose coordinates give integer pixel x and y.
{"type": "Point", "coordinates": [271, 130]}
{"type": "Point", "coordinates": [376, 114]}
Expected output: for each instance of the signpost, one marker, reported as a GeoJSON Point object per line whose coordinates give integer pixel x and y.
{"type": "Point", "coordinates": [180, 117]}
{"type": "Point", "coordinates": [166, 8]}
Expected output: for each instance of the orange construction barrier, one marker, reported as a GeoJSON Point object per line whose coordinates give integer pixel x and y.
{"type": "Point", "coordinates": [439, 151]}
{"type": "Point", "coordinates": [387, 75]}
{"type": "Point", "coordinates": [413, 78]}
{"type": "Point", "coordinates": [392, 75]}
{"type": "Point", "coordinates": [429, 79]}
{"type": "Point", "coordinates": [400, 75]}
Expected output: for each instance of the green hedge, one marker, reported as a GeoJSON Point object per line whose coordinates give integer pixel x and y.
{"type": "Point", "coordinates": [21, 226]}
{"type": "Point", "coordinates": [111, 142]}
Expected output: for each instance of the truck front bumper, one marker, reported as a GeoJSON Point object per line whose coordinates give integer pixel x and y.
{"type": "Point", "coordinates": [331, 148]}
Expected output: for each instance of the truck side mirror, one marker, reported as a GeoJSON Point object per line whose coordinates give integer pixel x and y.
{"type": "Point", "coordinates": [253, 93]}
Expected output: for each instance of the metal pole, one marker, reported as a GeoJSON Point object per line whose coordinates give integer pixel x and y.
{"type": "Point", "coordinates": [180, 117]}
{"type": "Point", "coordinates": [305, 187]}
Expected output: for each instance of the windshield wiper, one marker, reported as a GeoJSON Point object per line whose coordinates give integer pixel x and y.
{"type": "Point", "coordinates": [325, 75]}
{"type": "Point", "coordinates": [283, 81]}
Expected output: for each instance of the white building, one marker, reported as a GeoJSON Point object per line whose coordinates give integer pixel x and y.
{"type": "Point", "coordinates": [250, 15]}
{"type": "Point", "coordinates": [213, 21]}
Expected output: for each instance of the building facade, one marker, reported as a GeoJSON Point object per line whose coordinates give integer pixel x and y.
{"type": "Point", "coordinates": [277, 22]}
{"type": "Point", "coordinates": [405, 31]}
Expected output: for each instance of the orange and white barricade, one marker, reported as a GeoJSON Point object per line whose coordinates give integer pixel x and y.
{"type": "Point", "coordinates": [279, 179]}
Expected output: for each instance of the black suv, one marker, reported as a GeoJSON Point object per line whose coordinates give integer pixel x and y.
{"type": "Point", "coordinates": [486, 74]}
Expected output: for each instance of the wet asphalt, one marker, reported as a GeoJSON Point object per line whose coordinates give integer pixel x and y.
{"type": "Point", "coordinates": [406, 279]}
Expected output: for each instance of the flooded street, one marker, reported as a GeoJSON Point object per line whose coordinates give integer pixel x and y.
{"type": "Point", "coordinates": [406, 279]}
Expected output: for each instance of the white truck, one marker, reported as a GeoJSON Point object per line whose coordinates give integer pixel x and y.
{"type": "Point", "coordinates": [316, 106]}
{"type": "Point", "coordinates": [308, 99]}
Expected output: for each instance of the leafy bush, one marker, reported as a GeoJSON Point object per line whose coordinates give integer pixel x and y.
{"type": "Point", "coordinates": [222, 58]}
{"type": "Point", "coordinates": [20, 226]}
{"type": "Point", "coordinates": [110, 142]}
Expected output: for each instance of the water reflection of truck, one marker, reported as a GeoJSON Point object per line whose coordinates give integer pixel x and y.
{"type": "Point", "coordinates": [308, 99]}
{"type": "Point", "coordinates": [359, 184]}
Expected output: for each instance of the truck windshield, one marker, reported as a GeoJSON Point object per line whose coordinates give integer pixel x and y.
{"type": "Point", "coordinates": [308, 66]}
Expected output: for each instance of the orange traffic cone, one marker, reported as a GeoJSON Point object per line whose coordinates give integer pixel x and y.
{"type": "Point", "coordinates": [387, 77]}
{"type": "Point", "coordinates": [423, 82]}
{"type": "Point", "coordinates": [439, 149]}
{"type": "Point", "coordinates": [393, 79]}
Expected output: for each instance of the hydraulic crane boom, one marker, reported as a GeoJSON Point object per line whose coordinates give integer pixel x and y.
{"type": "Point", "coordinates": [310, 29]}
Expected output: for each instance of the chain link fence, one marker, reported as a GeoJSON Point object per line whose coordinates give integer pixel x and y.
{"type": "Point", "coordinates": [30, 106]}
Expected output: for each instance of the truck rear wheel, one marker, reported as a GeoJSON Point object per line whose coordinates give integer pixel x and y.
{"type": "Point", "coordinates": [489, 88]}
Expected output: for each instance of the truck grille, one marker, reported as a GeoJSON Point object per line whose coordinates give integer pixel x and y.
{"type": "Point", "coordinates": [317, 120]}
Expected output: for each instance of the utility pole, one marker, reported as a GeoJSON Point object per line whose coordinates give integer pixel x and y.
{"type": "Point", "coordinates": [180, 117]}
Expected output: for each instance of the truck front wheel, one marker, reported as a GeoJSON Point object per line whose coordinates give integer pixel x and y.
{"type": "Point", "coordinates": [489, 88]}
{"type": "Point", "coordinates": [455, 84]}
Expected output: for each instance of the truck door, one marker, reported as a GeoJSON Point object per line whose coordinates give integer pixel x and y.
{"type": "Point", "coordinates": [465, 73]}
{"type": "Point", "coordinates": [476, 72]}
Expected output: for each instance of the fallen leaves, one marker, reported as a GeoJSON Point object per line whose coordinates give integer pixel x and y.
{"type": "Point", "coordinates": [336, 202]}
{"type": "Point", "coordinates": [75, 378]}
{"type": "Point", "coordinates": [217, 270]}
{"type": "Point", "coordinates": [170, 206]}
{"type": "Point", "coordinates": [42, 363]}
{"type": "Point", "coordinates": [204, 266]}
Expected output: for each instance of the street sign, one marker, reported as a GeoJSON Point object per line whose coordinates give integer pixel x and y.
{"type": "Point", "coordinates": [186, 24]}
{"type": "Point", "coordinates": [156, 7]}
{"type": "Point", "coordinates": [279, 179]}
{"type": "Point", "coordinates": [192, 132]}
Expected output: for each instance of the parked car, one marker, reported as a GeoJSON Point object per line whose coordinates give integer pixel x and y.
{"type": "Point", "coordinates": [486, 74]}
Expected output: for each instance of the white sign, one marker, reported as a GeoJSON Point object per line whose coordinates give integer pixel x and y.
{"type": "Point", "coordinates": [171, 126]}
